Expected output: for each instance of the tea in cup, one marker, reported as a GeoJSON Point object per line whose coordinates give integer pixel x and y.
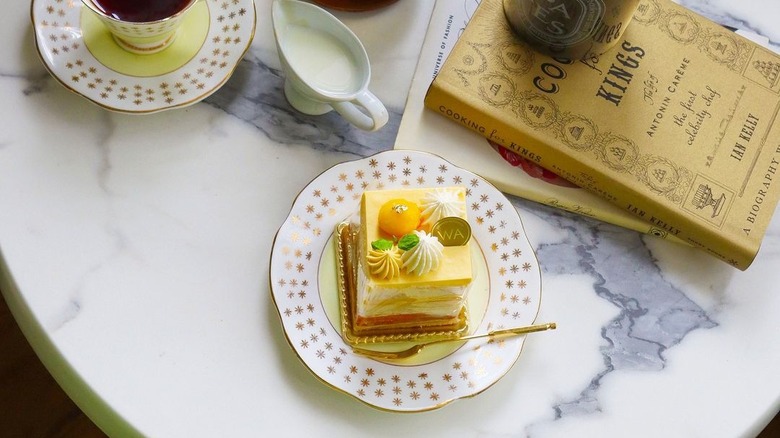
{"type": "Point", "coordinates": [141, 26]}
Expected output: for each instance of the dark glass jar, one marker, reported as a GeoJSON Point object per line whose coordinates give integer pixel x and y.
{"type": "Point", "coordinates": [571, 29]}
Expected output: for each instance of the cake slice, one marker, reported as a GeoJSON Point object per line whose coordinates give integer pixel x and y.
{"type": "Point", "coordinates": [413, 264]}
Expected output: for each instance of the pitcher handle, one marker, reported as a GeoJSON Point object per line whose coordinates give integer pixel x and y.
{"type": "Point", "coordinates": [374, 117]}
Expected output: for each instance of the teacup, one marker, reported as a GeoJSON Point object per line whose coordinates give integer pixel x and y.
{"type": "Point", "coordinates": [141, 27]}
{"type": "Point", "coordinates": [326, 66]}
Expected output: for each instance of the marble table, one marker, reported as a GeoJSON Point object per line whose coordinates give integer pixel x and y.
{"type": "Point", "coordinates": [135, 257]}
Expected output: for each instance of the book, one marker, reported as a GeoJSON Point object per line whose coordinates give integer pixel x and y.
{"type": "Point", "coordinates": [425, 131]}
{"type": "Point", "coordinates": [675, 125]}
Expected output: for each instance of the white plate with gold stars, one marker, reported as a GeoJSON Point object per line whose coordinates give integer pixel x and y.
{"type": "Point", "coordinates": [80, 53]}
{"type": "Point", "coordinates": [506, 291]}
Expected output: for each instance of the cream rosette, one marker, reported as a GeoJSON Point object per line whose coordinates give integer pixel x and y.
{"type": "Point", "coordinates": [385, 264]}
{"type": "Point", "coordinates": [425, 257]}
{"type": "Point", "coordinates": [440, 203]}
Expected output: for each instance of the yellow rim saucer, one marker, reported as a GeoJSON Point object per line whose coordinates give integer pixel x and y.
{"type": "Point", "coordinates": [81, 54]}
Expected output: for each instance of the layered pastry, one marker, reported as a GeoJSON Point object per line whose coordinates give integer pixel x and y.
{"type": "Point", "coordinates": [411, 263]}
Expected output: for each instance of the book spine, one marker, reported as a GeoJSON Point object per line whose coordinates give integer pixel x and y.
{"type": "Point", "coordinates": [443, 99]}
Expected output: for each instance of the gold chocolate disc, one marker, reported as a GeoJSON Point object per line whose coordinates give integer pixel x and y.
{"type": "Point", "coordinates": [452, 231]}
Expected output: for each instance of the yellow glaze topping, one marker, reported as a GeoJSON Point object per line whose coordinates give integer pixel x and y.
{"type": "Point", "coordinates": [454, 263]}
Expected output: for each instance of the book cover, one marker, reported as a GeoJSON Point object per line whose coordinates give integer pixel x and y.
{"type": "Point", "coordinates": [425, 131]}
{"type": "Point", "coordinates": [674, 125]}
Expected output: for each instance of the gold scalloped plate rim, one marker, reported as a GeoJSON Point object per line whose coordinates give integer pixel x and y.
{"type": "Point", "coordinates": [80, 54]}
{"type": "Point", "coordinates": [317, 341]}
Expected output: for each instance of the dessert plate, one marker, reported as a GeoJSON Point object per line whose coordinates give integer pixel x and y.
{"type": "Point", "coordinates": [304, 288]}
{"type": "Point", "coordinates": [81, 54]}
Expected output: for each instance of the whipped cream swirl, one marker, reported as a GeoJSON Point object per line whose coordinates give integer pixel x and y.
{"type": "Point", "coordinates": [441, 203]}
{"type": "Point", "coordinates": [385, 264]}
{"type": "Point", "coordinates": [425, 257]}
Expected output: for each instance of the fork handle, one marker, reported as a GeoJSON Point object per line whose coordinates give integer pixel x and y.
{"type": "Point", "coordinates": [523, 330]}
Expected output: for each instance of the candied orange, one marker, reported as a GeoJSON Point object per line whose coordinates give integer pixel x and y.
{"type": "Point", "coordinates": [398, 217]}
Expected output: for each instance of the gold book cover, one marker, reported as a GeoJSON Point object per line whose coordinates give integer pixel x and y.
{"type": "Point", "coordinates": [426, 131]}
{"type": "Point", "coordinates": [675, 124]}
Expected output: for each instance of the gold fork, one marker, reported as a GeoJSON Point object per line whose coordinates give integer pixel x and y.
{"type": "Point", "coordinates": [409, 352]}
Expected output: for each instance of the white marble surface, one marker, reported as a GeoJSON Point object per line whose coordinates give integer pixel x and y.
{"type": "Point", "coordinates": [135, 255]}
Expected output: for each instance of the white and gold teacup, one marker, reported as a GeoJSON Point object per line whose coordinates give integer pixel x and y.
{"type": "Point", "coordinates": [142, 37]}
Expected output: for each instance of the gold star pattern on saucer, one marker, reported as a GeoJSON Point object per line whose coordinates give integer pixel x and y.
{"type": "Point", "coordinates": [81, 54]}
{"type": "Point", "coordinates": [305, 292]}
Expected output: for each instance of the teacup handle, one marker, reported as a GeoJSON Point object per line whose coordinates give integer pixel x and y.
{"type": "Point", "coordinates": [375, 115]}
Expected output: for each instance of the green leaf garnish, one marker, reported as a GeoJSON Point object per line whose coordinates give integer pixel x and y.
{"type": "Point", "coordinates": [408, 242]}
{"type": "Point", "coordinates": [382, 245]}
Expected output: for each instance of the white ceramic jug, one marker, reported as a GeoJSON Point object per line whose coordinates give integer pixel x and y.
{"type": "Point", "coordinates": [326, 66]}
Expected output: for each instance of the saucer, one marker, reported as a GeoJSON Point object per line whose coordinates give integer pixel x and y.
{"type": "Point", "coordinates": [305, 292]}
{"type": "Point", "coordinates": [82, 55]}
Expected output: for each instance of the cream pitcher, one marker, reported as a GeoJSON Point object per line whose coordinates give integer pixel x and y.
{"type": "Point", "coordinates": [326, 66]}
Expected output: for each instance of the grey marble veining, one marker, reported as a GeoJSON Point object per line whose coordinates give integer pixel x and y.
{"type": "Point", "coordinates": [654, 315]}
{"type": "Point", "coordinates": [255, 95]}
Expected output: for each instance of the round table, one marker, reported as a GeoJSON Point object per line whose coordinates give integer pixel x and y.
{"type": "Point", "coordinates": [135, 257]}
